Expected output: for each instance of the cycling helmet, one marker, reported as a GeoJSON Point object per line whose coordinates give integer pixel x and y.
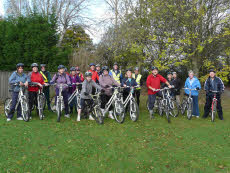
{"type": "Point", "coordinates": [136, 68]}
{"type": "Point", "coordinates": [61, 67]}
{"type": "Point", "coordinates": [42, 65]}
{"type": "Point", "coordinates": [72, 69]}
{"type": "Point", "coordinates": [91, 64]}
{"type": "Point", "coordinates": [115, 63]}
{"type": "Point", "coordinates": [212, 70]}
{"type": "Point", "coordinates": [88, 74]}
{"type": "Point", "coordinates": [129, 69]}
{"type": "Point", "coordinates": [98, 65]}
{"type": "Point", "coordinates": [77, 68]}
{"type": "Point", "coordinates": [105, 68]}
{"type": "Point", "coordinates": [20, 65]}
{"type": "Point", "coordinates": [169, 73]}
{"type": "Point", "coordinates": [174, 72]}
{"type": "Point", "coordinates": [34, 65]}
{"type": "Point", "coordinates": [154, 68]}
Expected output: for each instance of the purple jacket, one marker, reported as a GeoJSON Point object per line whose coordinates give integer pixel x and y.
{"type": "Point", "coordinates": [61, 79]}
{"type": "Point", "coordinates": [74, 79]}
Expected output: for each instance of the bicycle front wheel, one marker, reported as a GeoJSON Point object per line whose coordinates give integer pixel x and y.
{"type": "Point", "coordinates": [41, 99]}
{"type": "Point", "coordinates": [189, 110]}
{"type": "Point", "coordinates": [173, 110]}
{"type": "Point", "coordinates": [52, 104]}
{"type": "Point", "coordinates": [119, 112]}
{"type": "Point", "coordinates": [7, 105]}
{"type": "Point", "coordinates": [25, 110]}
{"type": "Point", "coordinates": [59, 110]}
{"type": "Point", "coordinates": [213, 114]}
{"type": "Point", "coordinates": [98, 115]}
{"type": "Point", "coordinates": [183, 106]}
{"type": "Point", "coordinates": [134, 111]}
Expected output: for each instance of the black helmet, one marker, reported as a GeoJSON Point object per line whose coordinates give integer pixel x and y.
{"type": "Point", "coordinates": [88, 74]}
{"type": "Point", "coordinates": [72, 69]}
{"type": "Point", "coordinates": [115, 63]}
{"type": "Point", "coordinates": [34, 65]}
{"type": "Point", "coordinates": [169, 73]}
{"type": "Point", "coordinates": [212, 70]}
{"type": "Point", "coordinates": [20, 65]}
{"type": "Point", "coordinates": [154, 68]}
{"type": "Point", "coordinates": [91, 64]}
{"type": "Point", "coordinates": [61, 67]}
{"type": "Point", "coordinates": [105, 68]}
{"type": "Point", "coordinates": [42, 65]}
{"type": "Point", "coordinates": [129, 69]}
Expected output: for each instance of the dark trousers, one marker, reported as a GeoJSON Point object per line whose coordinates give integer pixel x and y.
{"type": "Point", "coordinates": [32, 100]}
{"type": "Point", "coordinates": [73, 104]}
{"type": "Point", "coordinates": [137, 95]}
{"type": "Point", "coordinates": [13, 105]}
{"type": "Point", "coordinates": [65, 95]}
{"type": "Point", "coordinates": [46, 91]}
{"type": "Point", "coordinates": [104, 100]}
{"type": "Point", "coordinates": [152, 99]}
{"type": "Point", "coordinates": [208, 105]}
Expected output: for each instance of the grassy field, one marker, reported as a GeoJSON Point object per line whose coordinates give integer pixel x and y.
{"type": "Point", "coordinates": [145, 146]}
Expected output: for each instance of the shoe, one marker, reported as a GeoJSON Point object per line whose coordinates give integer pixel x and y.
{"type": "Point", "coordinates": [151, 114]}
{"type": "Point", "coordinates": [78, 118]}
{"type": "Point", "coordinates": [30, 118]}
{"type": "Point", "coordinates": [8, 119]}
{"type": "Point", "coordinates": [103, 112]}
{"type": "Point", "coordinates": [67, 116]}
{"type": "Point", "coordinates": [20, 118]}
{"type": "Point", "coordinates": [111, 115]}
{"type": "Point", "coordinates": [91, 118]}
{"type": "Point", "coordinates": [197, 116]}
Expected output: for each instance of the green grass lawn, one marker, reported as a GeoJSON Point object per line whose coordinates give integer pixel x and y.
{"type": "Point", "coordinates": [144, 146]}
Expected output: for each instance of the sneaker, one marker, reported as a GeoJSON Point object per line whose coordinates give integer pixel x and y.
{"type": "Point", "coordinates": [67, 116]}
{"type": "Point", "coordinates": [30, 118]}
{"type": "Point", "coordinates": [151, 114]}
{"type": "Point", "coordinates": [8, 119]}
{"type": "Point", "coordinates": [197, 116]}
{"type": "Point", "coordinates": [91, 118]}
{"type": "Point", "coordinates": [111, 116]}
{"type": "Point", "coordinates": [20, 118]}
{"type": "Point", "coordinates": [78, 118]}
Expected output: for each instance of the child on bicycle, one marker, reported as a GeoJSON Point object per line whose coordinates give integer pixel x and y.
{"type": "Point", "coordinates": [86, 91]}
{"type": "Point", "coordinates": [20, 78]}
{"type": "Point", "coordinates": [213, 83]}
{"type": "Point", "coordinates": [62, 78]}
{"type": "Point", "coordinates": [34, 77]}
{"type": "Point", "coordinates": [74, 79]}
{"type": "Point", "coordinates": [106, 82]}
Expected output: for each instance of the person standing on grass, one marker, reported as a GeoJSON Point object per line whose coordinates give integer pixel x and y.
{"type": "Point", "coordinates": [116, 73]}
{"type": "Point", "coordinates": [106, 82]}
{"type": "Point", "coordinates": [20, 78]}
{"type": "Point", "coordinates": [153, 83]}
{"type": "Point", "coordinates": [62, 78]}
{"type": "Point", "coordinates": [213, 83]}
{"type": "Point", "coordinates": [46, 89]}
{"type": "Point", "coordinates": [192, 82]}
{"type": "Point", "coordinates": [177, 85]}
{"type": "Point", "coordinates": [138, 78]}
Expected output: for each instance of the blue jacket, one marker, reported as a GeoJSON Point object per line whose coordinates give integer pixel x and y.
{"type": "Point", "coordinates": [195, 84]}
{"type": "Point", "coordinates": [126, 81]}
{"type": "Point", "coordinates": [16, 78]}
{"type": "Point", "coordinates": [217, 85]}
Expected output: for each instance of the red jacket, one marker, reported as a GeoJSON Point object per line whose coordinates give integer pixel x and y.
{"type": "Point", "coordinates": [35, 77]}
{"type": "Point", "coordinates": [81, 77]}
{"type": "Point", "coordinates": [154, 82]}
{"type": "Point", "coordinates": [95, 76]}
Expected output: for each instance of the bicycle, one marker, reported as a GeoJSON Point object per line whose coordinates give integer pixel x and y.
{"type": "Point", "coordinates": [133, 107]}
{"type": "Point", "coordinates": [187, 104]}
{"type": "Point", "coordinates": [94, 108]}
{"type": "Point", "coordinates": [117, 101]}
{"type": "Point", "coordinates": [41, 101]}
{"type": "Point", "coordinates": [214, 105]}
{"type": "Point", "coordinates": [22, 100]}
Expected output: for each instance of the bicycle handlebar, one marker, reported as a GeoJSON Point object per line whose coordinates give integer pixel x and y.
{"type": "Point", "coordinates": [190, 89]}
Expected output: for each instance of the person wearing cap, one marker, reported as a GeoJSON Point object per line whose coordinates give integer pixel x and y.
{"type": "Point", "coordinates": [46, 89]}
{"type": "Point", "coordinates": [153, 83]}
{"type": "Point", "coordinates": [170, 80]}
{"type": "Point", "coordinates": [116, 73]}
{"type": "Point", "coordinates": [138, 78]}
{"type": "Point", "coordinates": [95, 76]}
{"type": "Point", "coordinates": [62, 78]}
{"type": "Point", "coordinates": [87, 87]}
{"type": "Point", "coordinates": [193, 82]}
{"type": "Point", "coordinates": [34, 77]}
{"type": "Point", "coordinates": [20, 78]}
{"type": "Point", "coordinates": [177, 85]}
{"type": "Point", "coordinates": [106, 82]}
{"type": "Point", "coordinates": [129, 81]}
{"type": "Point", "coordinates": [98, 69]}
{"type": "Point", "coordinates": [74, 79]}
{"type": "Point", "coordinates": [78, 72]}
{"type": "Point", "coordinates": [213, 83]}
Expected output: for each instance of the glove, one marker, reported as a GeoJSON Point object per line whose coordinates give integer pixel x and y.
{"type": "Point", "coordinates": [86, 94]}
{"type": "Point", "coordinates": [107, 86]}
{"type": "Point", "coordinates": [197, 88]}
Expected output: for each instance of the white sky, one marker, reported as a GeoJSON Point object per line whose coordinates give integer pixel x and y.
{"type": "Point", "coordinates": [1, 8]}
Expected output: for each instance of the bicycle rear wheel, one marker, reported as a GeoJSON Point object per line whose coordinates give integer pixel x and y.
{"type": "Point", "coordinates": [52, 104]}
{"type": "Point", "coordinates": [167, 115]}
{"type": "Point", "coordinates": [189, 110]}
{"type": "Point", "coordinates": [41, 99]}
{"type": "Point", "coordinates": [7, 105]}
{"type": "Point", "coordinates": [119, 112]}
{"type": "Point", "coordinates": [213, 114]}
{"type": "Point", "coordinates": [183, 106]}
{"type": "Point", "coordinates": [173, 110]}
{"type": "Point", "coordinates": [134, 111]}
{"type": "Point", "coordinates": [58, 107]}
{"type": "Point", "coordinates": [98, 115]}
{"type": "Point", "coordinates": [25, 110]}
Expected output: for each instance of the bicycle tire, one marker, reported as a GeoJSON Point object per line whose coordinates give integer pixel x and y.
{"type": "Point", "coordinates": [59, 111]}
{"type": "Point", "coordinates": [7, 105]}
{"type": "Point", "coordinates": [174, 111]}
{"type": "Point", "coordinates": [183, 106]}
{"type": "Point", "coordinates": [40, 107]}
{"type": "Point", "coordinates": [160, 108]}
{"type": "Point", "coordinates": [119, 112]}
{"type": "Point", "coordinates": [25, 110]}
{"type": "Point", "coordinates": [189, 111]}
{"type": "Point", "coordinates": [134, 110]}
{"type": "Point", "coordinates": [98, 115]}
{"type": "Point", "coordinates": [213, 114]}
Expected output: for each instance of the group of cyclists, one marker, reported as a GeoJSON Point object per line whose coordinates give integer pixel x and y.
{"type": "Point", "coordinates": [104, 80]}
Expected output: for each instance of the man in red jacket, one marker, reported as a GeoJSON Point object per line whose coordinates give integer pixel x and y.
{"type": "Point", "coordinates": [34, 77]}
{"type": "Point", "coordinates": [153, 83]}
{"type": "Point", "coordinates": [95, 75]}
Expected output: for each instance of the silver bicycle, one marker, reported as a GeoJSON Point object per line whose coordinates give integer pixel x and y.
{"type": "Point", "coordinates": [22, 100]}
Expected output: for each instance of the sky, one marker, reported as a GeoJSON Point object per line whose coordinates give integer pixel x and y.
{"type": "Point", "coordinates": [96, 11]}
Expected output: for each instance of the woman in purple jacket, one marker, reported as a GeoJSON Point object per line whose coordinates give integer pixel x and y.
{"type": "Point", "coordinates": [62, 78]}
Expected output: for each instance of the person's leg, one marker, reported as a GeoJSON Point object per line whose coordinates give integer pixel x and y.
{"type": "Point", "coordinates": [46, 91]}
{"type": "Point", "coordinates": [219, 107]}
{"type": "Point", "coordinates": [110, 108]}
{"type": "Point", "coordinates": [195, 110]}
{"type": "Point", "coordinates": [82, 105]}
{"type": "Point", "coordinates": [207, 106]}
{"type": "Point", "coordinates": [152, 99]}
{"type": "Point", "coordinates": [13, 104]}
{"type": "Point", "coordinates": [31, 102]}
{"type": "Point", "coordinates": [65, 99]}
{"type": "Point", "coordinates": [138, 93]}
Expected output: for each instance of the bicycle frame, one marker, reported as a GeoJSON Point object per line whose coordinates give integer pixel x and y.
{"type": "Point", "coordinates": [76, 93]}
{"type": "Point", "coordinates": [130, 98]}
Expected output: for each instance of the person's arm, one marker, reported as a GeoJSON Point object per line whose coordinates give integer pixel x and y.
{"type": "Point", "coordinates": [96, 86]}
{"type": "Point", "coordinates": [49, 77]}
{"type": "Point", "coordinates": [206, 88]}
{"type": "Point", "coordinates": [121, 77]}
{"type": "Point", "coordinates": [198, 84]}
{"type": "Point", "coordinates": [42, 80]}
{"type": "Point", "coordinates": [162, 79]}
{"type": "Point", "coordinates": [53, 79]}
{"type": "Point", "coordinates": [221, 85]}
{"type": "Point", "coordinates": [115, 82]}
{"type": "Point", "coordinates": [13, 78]}
{"type": "Point", "coordinates": [101, 82]}
{"type": "Point", "coordinates": [29, 77]}
{"type": "Point", "coordinates": [134, 82]}
{"type": "Point", "coordinates": [67, 80]}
